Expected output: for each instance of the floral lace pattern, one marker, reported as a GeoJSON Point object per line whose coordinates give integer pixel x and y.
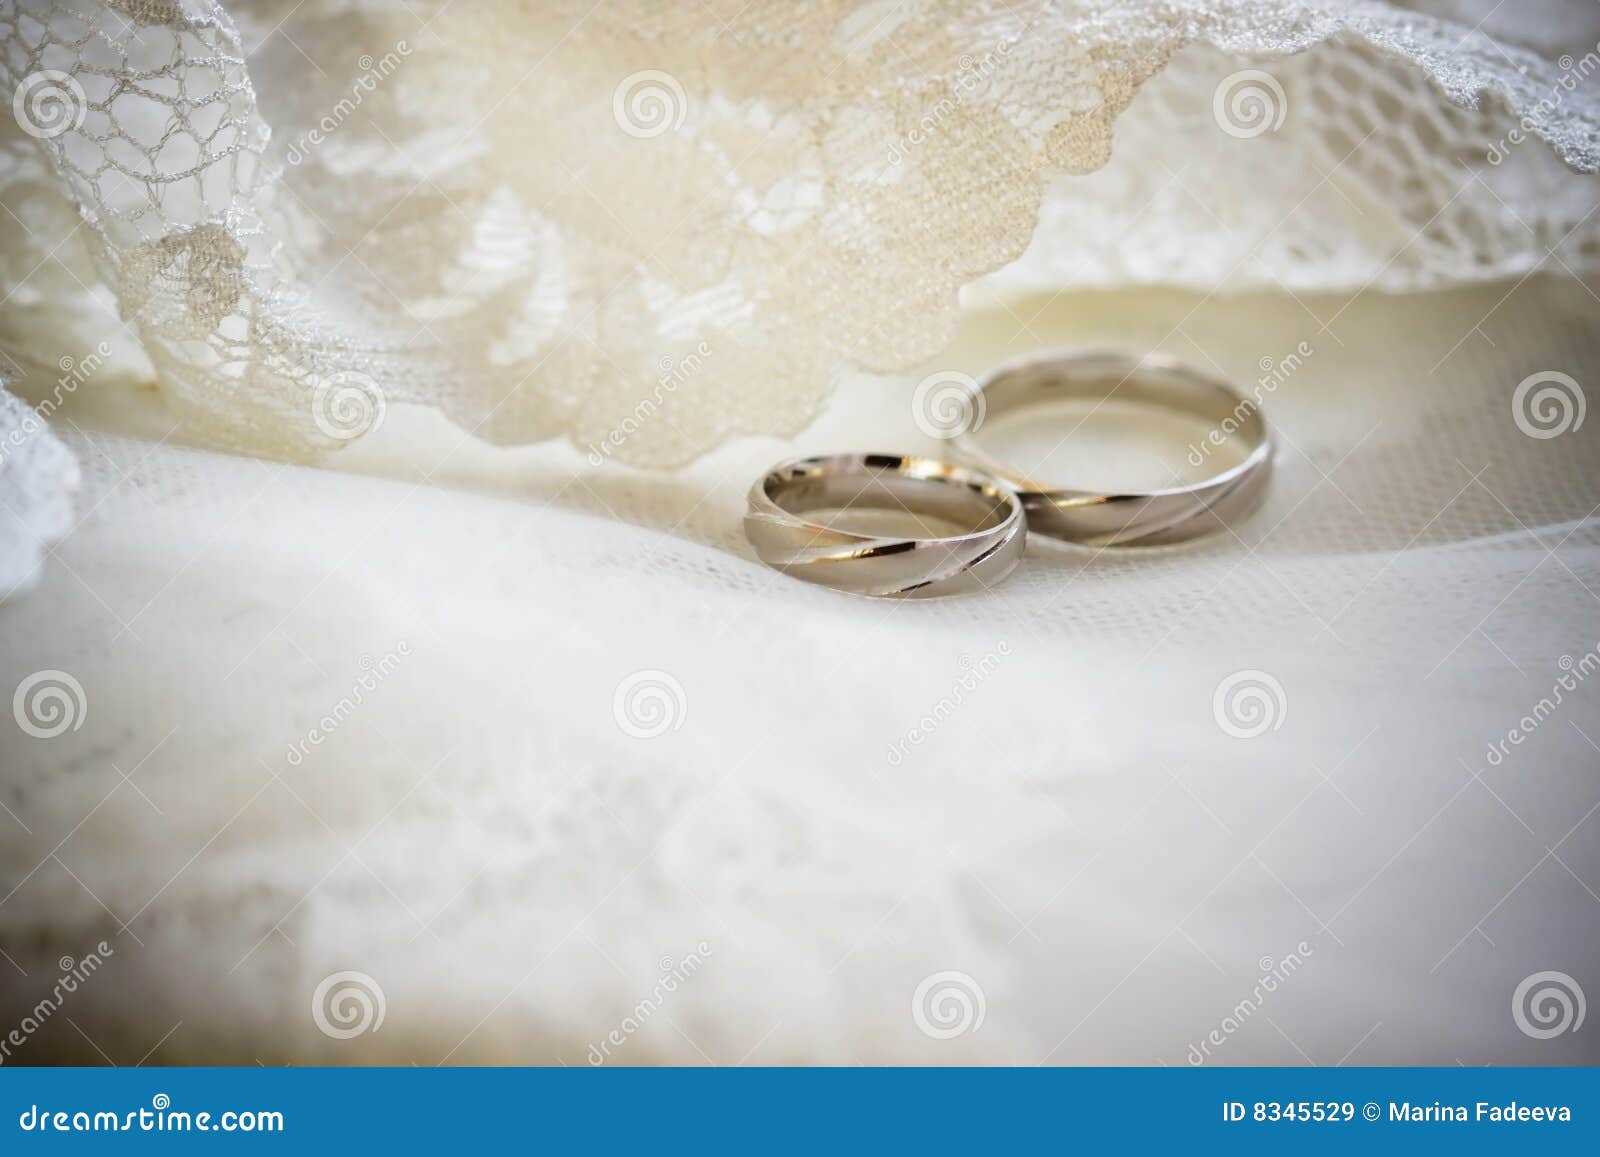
{"type": "Point", "coordinates": [650, 228]}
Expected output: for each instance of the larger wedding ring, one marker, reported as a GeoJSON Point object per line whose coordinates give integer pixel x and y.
{"type": "Point", "coordinates": [819, 551]}
{"type": "Point", "coordinates": [1149, 517]}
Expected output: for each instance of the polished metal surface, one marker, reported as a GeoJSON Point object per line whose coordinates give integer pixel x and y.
{"type": "Point", "coordinates": [1151, 517]}
{"type": "Point", "coordinates": [885, 565]}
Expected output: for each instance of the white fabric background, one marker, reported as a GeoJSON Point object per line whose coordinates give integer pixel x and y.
{"type": "Point", "coordinates": [1079, 837]}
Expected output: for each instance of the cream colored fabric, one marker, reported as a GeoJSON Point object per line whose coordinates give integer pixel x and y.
{"type": "Point", "coordinates": [497, 740]}
{"type": "Point", "coordinates": [486, 838]}
{"type": "Point", "coordinates": [529, 216]}
{"type": "Point", "coordinates": [40, 477]}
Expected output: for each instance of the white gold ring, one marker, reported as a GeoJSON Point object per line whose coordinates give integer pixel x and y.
{"type": "Point", "coordinates": [1149, 517]}
{"type": "Point", "coordinates": [785, 523]}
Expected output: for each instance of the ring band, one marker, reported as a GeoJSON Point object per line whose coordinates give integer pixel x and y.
{"type": "Point", "coordinates": [881, 565]}
{"type": "Point", "coordinates": [1099, 518]}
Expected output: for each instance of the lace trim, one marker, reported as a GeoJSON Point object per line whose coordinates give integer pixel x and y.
{"type": "Point", "coordinates": [659, 230]}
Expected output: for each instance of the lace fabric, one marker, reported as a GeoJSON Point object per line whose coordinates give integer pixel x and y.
{"type": "Point", "coordinates": [546, 220]}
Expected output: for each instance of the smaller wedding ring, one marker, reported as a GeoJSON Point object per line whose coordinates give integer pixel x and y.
{"type": "Point", "coordinates": [792, 522]}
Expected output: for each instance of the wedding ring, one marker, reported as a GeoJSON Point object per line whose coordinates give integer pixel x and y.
{"type": "Point", "coordinates": [787, 507]}
{"type": "Point", "coordinates": [1150, 517]}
